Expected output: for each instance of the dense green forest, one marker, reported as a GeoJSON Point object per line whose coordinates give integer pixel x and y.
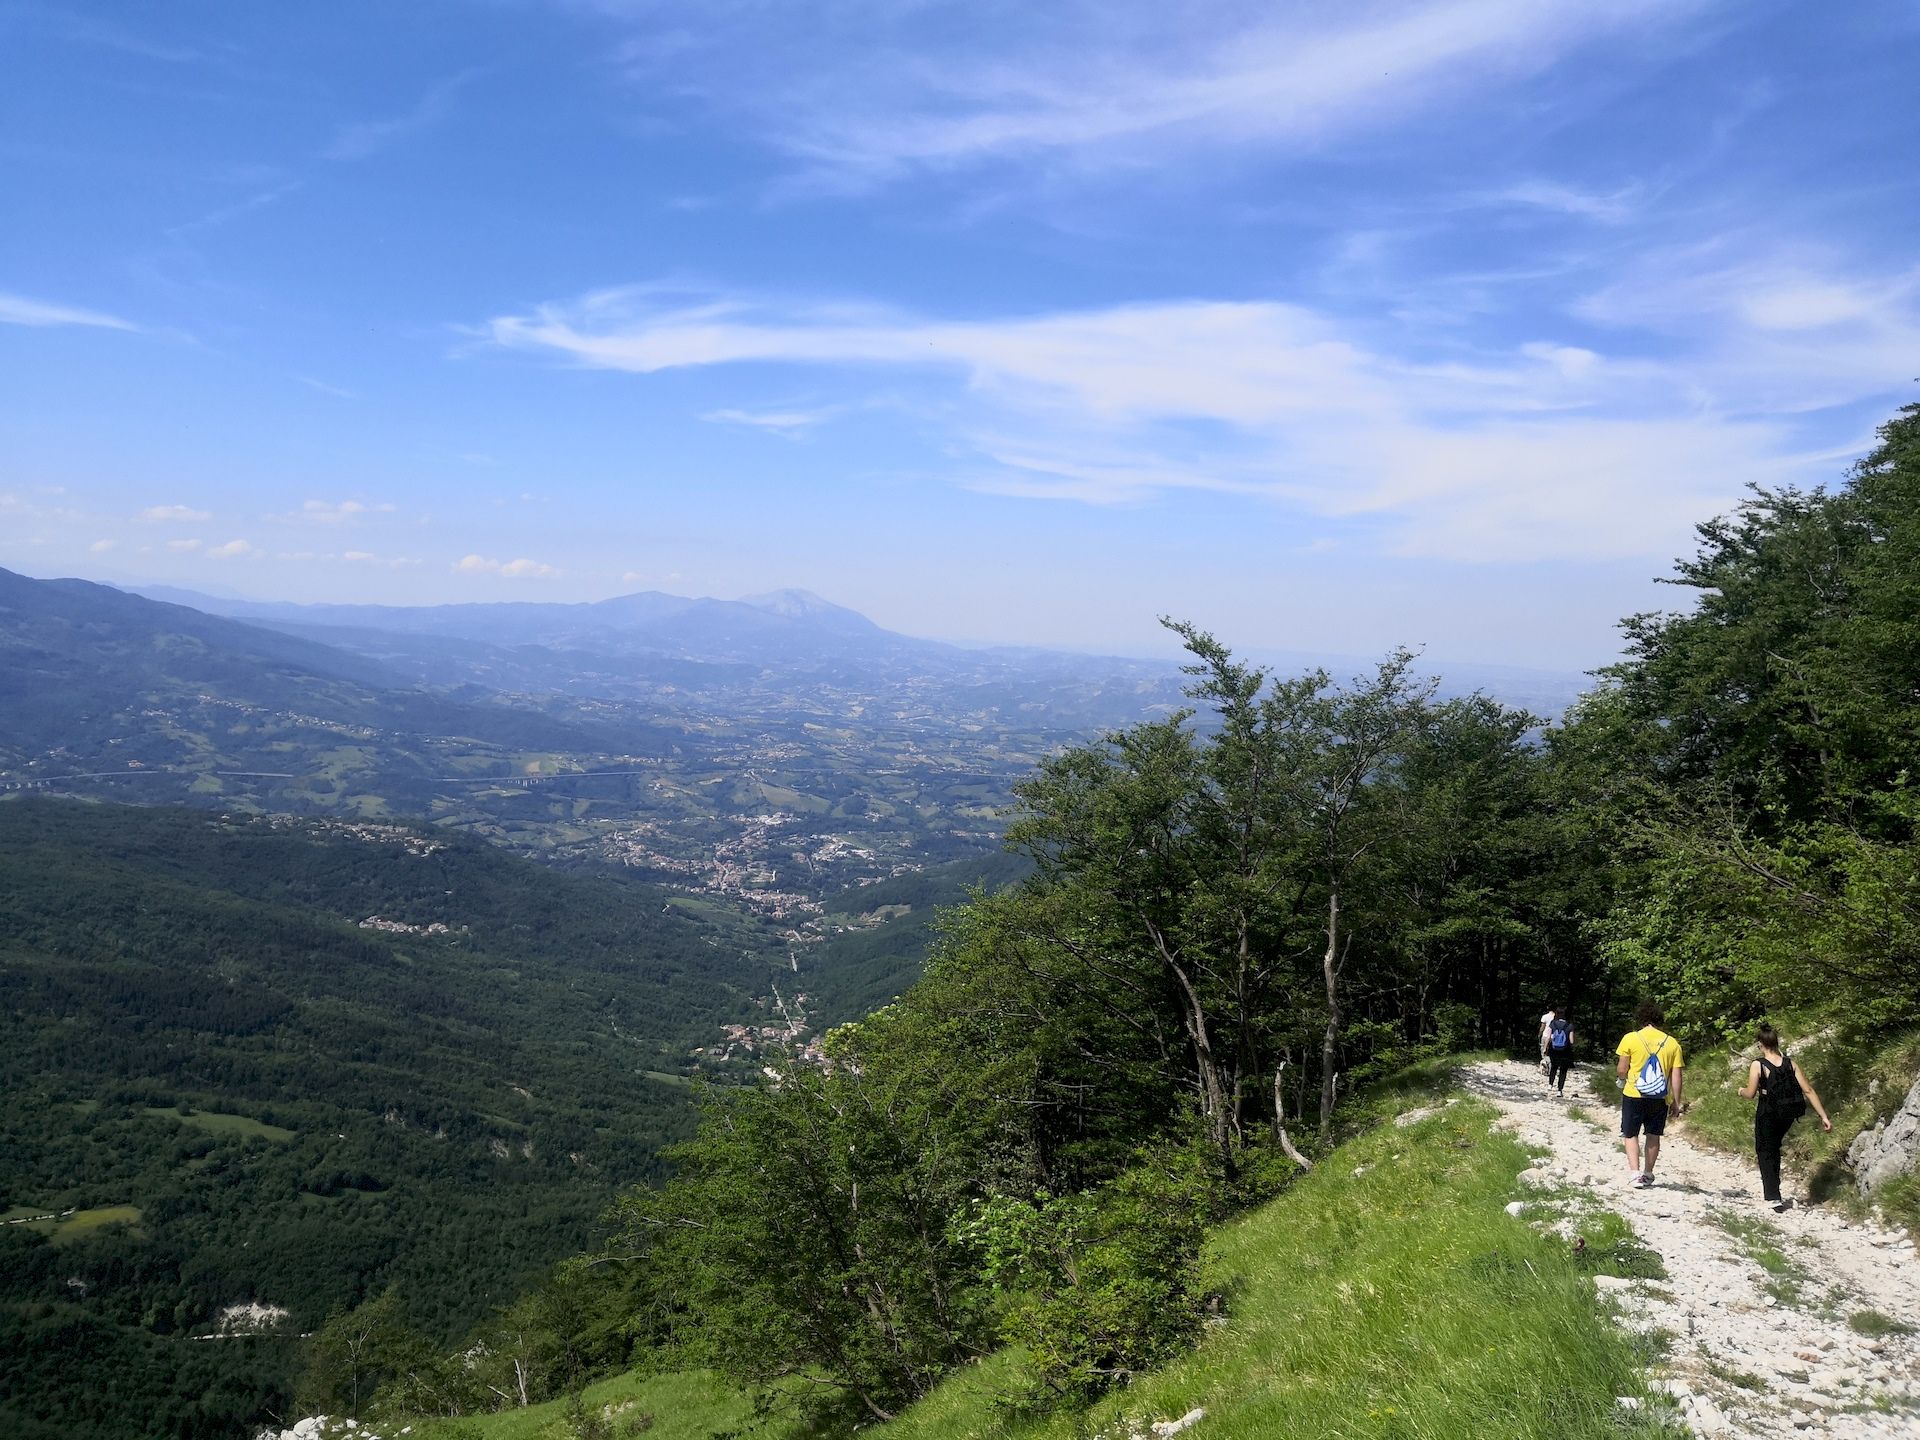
{"type": "Point", "coordinates": [246, 1095]}
{"type": "Point", "coordinates": [1237, 915]}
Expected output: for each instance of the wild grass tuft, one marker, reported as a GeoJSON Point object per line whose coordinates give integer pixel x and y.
{"type": "Point", "coordinates": [1876, 1325]}
{"type": "Point", "coordinates": [1761, 1243]}
{"type": "Point", "coordinates": [1613, 1249]}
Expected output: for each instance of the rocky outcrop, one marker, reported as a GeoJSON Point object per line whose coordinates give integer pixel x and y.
{"type": "Point", "coordinates": [250, 1317]}
{"type": "Point", "coordinates": [1889, 1150]}
{"type": "Point", "coordinates": [320, 1427]}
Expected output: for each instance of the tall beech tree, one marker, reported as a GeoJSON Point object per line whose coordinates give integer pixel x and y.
{"type": "Point", "coordinates": [1205, 860]}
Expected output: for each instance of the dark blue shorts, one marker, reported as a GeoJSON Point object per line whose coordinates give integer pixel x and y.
{"type": "Point", "coordinates": [1637, 1113]}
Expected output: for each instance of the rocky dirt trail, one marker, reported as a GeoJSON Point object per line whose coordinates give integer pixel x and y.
{"type": "Point", "coordinates": [1803, 1323]}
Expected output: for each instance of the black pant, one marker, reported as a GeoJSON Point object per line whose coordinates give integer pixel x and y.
{"type": "Point", "coordinates": [1770, 1127]}
{"type": "Point", "coordinates": [1559, 1062]}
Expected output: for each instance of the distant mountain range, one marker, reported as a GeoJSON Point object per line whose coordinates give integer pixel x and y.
{"type": "Point", "coordinates": [649, 730]}
{"type": "Point", "coordinates": [784, 631]}
{"type": "Point", "coordinates": [80, 661]}
{"type": "Point", "coordinates": [782, 628]}
{"type": "Point", "coordinates": [652, 731]}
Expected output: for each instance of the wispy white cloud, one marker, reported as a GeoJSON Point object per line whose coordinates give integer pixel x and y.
{"type": "Point", "coordinates": [20, 310]}
{"type": "Point", "coordinates": [363, 138]}
{"type": "Point", "coordinates": [101, 547]}
{"type": "Point", "coordinates": [1139, 360]}
{"type": "Point", "coordinates": [1436, 444]}
{"type": "Point", "coordinates": [522, 569]}
{"type": "Point", "coordinates": [94, 30]}
{"type": "Point", "coordinates": [324, 388]}
{"type": "Point", "coordinates": [863, 94]}
{"type": "Point", "coordinates": [184, 546]}
{"type": "Point", "coordinates": [174, 514]}
{"type": "Point", "coordinates": [226, 214]}
{"type": "Point", "coordinates": [339, 512]}
{"type": "Point", "coordinates": [368, 557]}
{"type": "Point", "coordinates": [781, 422]}
{"type": "Point", "coordinates": [233, 550]}
{"type": "Point", "coordinates": [1611, 207]}
{"type": "Point", "coordinates": [1788, 330]}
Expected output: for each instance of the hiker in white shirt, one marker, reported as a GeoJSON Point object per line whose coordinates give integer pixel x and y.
{"type": "Point", "coordinates": [1546, 1038]}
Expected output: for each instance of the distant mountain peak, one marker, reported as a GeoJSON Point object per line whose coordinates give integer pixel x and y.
{"type": "Point", "coordinates": [796, 604]}
{"type": "Point", "coordinates": [789, 602]}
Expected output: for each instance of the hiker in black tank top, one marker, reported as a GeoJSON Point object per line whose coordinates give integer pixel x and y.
{"type": "Point", "coordinates": [1784, 1092]}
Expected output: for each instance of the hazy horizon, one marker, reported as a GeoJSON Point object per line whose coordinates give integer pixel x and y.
{"type": "Point", "coordinates": [1330, 328]}
{"type": "Point", "coordinates": [1166, 649]}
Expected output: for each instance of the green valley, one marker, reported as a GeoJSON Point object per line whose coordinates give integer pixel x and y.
{"type": "Point", "coordinates": [293, 1064]}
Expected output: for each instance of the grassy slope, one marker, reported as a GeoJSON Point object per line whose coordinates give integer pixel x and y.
{"type": "Point", "coordinates": [1862, 1079]}
{"type": "Point", "coordinates": [1401, 1301]}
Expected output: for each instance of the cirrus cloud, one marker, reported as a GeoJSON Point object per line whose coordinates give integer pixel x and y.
{"type": "Point", "coordinates": [861, 98]}
{"type": "Point", "coordinates": [1439, 444]}
{"type": "Point", "coordinates": [41, 314]}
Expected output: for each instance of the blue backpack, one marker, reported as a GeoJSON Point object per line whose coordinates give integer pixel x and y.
{"type": "Point", "coordinates": [1561, 1034]}
{"type": "Point", "coordinates": [1651, 1082]}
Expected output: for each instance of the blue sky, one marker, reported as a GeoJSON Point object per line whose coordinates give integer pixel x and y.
{"type": "Point", "coordinates": [1330, 326]}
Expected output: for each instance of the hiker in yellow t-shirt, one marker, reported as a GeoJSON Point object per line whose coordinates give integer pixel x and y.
{"type": "Point", "coordinates": [1652, 1068]}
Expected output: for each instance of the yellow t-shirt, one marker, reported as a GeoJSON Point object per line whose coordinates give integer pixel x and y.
{"type": "Point", "coordinates": [1637, 1045]}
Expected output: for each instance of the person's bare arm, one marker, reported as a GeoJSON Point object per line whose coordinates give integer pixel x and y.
{"type": "Point", "coordinates": [1679, 1089]}
{"type": "Point", "coordinates": [1621, 1068]}
{"type": "Point", "coordinates": [1752, 1087]}
{"type": "Point", "coordinates": [1813, 1095]}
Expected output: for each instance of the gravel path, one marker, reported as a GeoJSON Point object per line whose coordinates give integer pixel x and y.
{"type": "Point", "coordinates": [1766, 1311]}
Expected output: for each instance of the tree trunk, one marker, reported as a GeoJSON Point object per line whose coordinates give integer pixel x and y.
{"type": "Point", "coordinates": [1330, 1043]}
{"type": "Point", "coordinates": [1213, 1093]}
{"type": "Point", "coordinates": [1280, 1122]}
{"type": "Point", "coordinates": [1213, 1096]}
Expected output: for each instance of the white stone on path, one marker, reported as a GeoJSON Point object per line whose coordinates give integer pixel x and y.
{"type": "Point", "coordinates": [1185, 1422]}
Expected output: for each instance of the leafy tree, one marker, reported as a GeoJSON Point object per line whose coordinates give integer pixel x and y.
{"type": "Point", "coordinates": [1197, 864]}
{"type": "Point", "coordinates": [807, 1232]}
{"type": "Point", "coordinates": [355, 1352]}
{"type": "Point", "coordinates": [1756, 754]}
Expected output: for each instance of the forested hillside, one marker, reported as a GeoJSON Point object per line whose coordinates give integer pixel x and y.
{"type": "Point", "coordinates": [303, 1064]}
{"type": "Point", "coordinates": [87, 668]}
{"type": "Point", "coordinates": [1232, 923]}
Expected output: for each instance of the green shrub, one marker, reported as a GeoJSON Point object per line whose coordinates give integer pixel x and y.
{"type": "Point", "coordinates": [1104, 1284]}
